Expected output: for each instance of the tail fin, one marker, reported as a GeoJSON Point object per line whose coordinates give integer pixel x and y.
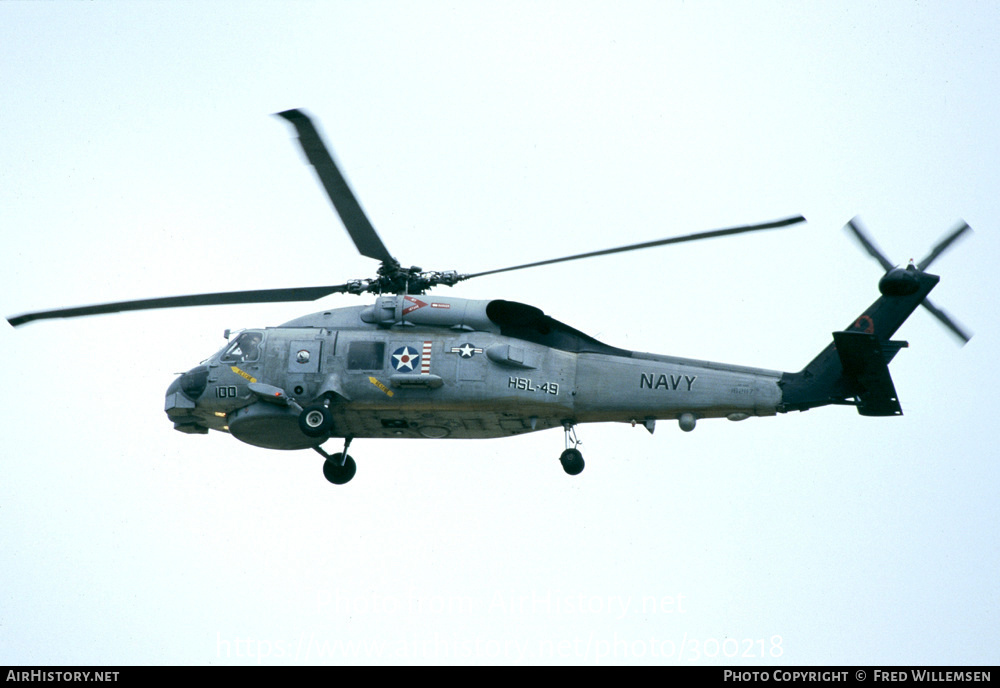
{"type": "Point", "coordinates": [854, 368]}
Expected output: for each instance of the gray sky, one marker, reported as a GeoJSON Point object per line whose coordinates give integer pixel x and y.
{"type": "Point", "coordinates": [139, 159]}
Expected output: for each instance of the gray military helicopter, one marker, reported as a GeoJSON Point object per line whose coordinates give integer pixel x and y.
{"type": "Point", "coordinates": [413, 365]}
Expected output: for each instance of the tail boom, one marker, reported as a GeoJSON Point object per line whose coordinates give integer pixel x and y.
{"type": "Point", "coordinates": [854, 368]}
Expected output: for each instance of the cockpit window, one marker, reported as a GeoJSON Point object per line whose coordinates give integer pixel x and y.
{"type": "Point", "coordinates": [244, 348]}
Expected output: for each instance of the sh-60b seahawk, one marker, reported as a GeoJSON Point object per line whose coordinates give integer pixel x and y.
{"type": "Point", "coordinates": [414, 365]}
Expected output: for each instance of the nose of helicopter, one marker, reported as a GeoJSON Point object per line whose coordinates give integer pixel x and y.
{"type": "Point", "coordinates": [183, 392]}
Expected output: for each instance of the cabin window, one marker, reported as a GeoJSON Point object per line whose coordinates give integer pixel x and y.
{"type": "Point", "coordinates": [245, 348]}
{"type": "Point", "coordinates": [365, 355]}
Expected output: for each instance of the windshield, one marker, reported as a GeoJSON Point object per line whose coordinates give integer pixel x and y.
{"type": "Point", "coordinates": [246, 347]}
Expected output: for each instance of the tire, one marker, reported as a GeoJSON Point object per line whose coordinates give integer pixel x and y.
{"type": "Point", "coordinates": [315, 420]}
{"type": "Point", "coordinates": [572, 461]}
{"type": "Point", "coordinates": [337, 474]}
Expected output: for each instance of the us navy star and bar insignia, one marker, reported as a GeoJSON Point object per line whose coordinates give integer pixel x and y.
{"type": "Point", "coordinates": [466, 350]}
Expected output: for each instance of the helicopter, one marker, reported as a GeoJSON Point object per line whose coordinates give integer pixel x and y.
{"type": "Point", "coordinates": [419, 365]}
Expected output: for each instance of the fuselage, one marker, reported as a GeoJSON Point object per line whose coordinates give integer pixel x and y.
{"type": "Point", "coordinates": [440, 367]}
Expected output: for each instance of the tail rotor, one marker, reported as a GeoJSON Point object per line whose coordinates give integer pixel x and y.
{"type": "Point", "coordinates": [856, 228]}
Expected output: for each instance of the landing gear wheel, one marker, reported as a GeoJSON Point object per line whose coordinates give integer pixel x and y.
{"type": "Point", "coordinates": [572, 461]}
{"type": "Point", "coordinates": [337, 474]}
{"type": "Point", "coordinates": [315, 420]}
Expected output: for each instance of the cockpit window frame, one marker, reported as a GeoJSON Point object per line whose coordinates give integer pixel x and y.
{"type": "Point", "coordinates": [229, 354]}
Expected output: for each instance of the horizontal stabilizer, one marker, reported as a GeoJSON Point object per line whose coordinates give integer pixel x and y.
{"type": "Point", "coordinates": [891, 348]}
{"type": "Point", "coordinates": [866, 366]}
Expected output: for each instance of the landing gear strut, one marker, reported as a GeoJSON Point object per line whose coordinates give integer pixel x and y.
{"type": "Point", "coordinates": [571, 459]}
{"type": "Point", "coordinates": [338, 468]}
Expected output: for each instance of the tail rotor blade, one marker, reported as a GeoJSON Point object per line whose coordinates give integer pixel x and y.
{"type": "Point", "coordinates": [943, 245]}
{"type": "Point", "coordinates": [947, 322]}
{"type": "Point", "coordinates": [862, 236]}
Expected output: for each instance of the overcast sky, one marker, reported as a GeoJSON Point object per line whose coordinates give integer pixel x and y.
{"type": "Point", "coordinates": [139, 158]}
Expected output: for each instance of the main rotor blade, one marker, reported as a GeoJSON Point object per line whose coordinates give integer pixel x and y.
{"type": "Point", "coordinates": [947, 321]}
{"type": "Point", "coordinates": [358, 226]}
{"type": "Point", "coordinates": [855, 226]}
{"type": "Point", "coordinates": [943, 244]}
{"type": "Point", "coordinates": [220, 298]}
{"type": "Point", "coordinates": [650, 244]}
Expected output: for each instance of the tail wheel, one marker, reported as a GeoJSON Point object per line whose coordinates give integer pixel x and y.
{"type": "Point", "coordinates": [315, 421]}
{"type": "Point", "coordinates": [572, 461]}
{"type": "Point", "coordinates": [337, 474]}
